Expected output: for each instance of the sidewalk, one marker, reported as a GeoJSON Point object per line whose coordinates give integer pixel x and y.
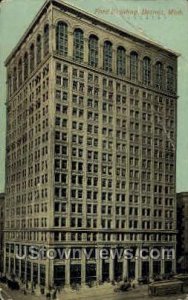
{"type": "Point", "coordinates": [18, 295]}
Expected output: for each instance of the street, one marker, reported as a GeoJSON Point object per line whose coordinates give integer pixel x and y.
{"type": "Point", "coordinates": [140, 293]}
{"type": "Point", "coordinates": [16, 295]}
{"type": "Point", "coordinates": [104, 293]}
{"type": "Point", "coordinates": [4, 295]}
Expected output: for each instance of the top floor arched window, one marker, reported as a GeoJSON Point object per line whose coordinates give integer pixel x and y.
{"type": "Point", "coordinates": [121, 61]}
{"type": "Point", "coordinates": [78, 45]}
{"type": "Point", "coordinates": [146, 71]}
{"type": "Point", "coordinates": [32, 57]}
{"type": "Point", "coordinates": [62, 38]}
{"type": "Point", "coordinates": [134, 65]}
{"type": "Point", "coordinates": [170, 79]}
{"type": "Point", "coordinates": [39, 49]}
{"type": "Point", "coordinates": [15, 79]}
{"type": "Point", "coordinates": [93, 51]}
{"type": "Point", "coordinates": [158, 75]}
{"type": "Point", "coordinates": [26, 68]}
{"type": "Point", "coordinates": [20, 73]}
{"type": "Point", "coordinates": [46, 39]}
{"type": "Point", "coordinates": [9, 84]}
{"type": "Point", "coordinates": [107, 56]}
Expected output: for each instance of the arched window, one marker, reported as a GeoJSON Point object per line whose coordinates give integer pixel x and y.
{"type": "Point", "coordinates": [78, 45]}
{"type": "Point", "coordinates": [159, 75]}
{"type": "Point", "coordinates": [20, 72]}
{"type": "Point", "coordinates": [32, 57]}
{"type": "Point", "coordinates": [9, 84]}
{"type": "Point", "coordinates": [46, 39]}
{"type": "Point", "coordinates": [121, 61]}
{"type": "Point", "coordinates": [107, 56]}
{"type": "Point", "coordinates": [134, 66]}
{"type": "Point", "coordinates": [15, 79]}
{"type": "Point", "coordinates": [26, 69]}
{"type": "Point", "coordinates": [93, 51]}
{"type": "Point", "coordinates": [170, 79]}
{"type": "Point", "coordinates": [62, 38]}
{"type": "Point", "coordinates": [39, 49]}
{"type": "Point", "coordinates": [146, 75]}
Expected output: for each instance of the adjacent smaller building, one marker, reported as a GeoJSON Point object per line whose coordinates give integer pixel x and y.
{"type": "Point", "coordinates": [182, 236]}
{"type": "Point", "coordinates": [2, 215]}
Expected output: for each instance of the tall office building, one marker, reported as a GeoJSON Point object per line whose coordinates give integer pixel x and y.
{"type": "Point", "coordinates": [182, 236]}
{"type": "Point", "coordinates": [2, 222]}
{"type": "Point", "coordinates": [91, 148]}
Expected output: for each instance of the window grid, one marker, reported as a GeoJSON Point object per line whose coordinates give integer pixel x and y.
{"type": "Point", "coordinates": [121, 61]}
{"type": "Point", "coordinates": [46, 39]}
{"type": "Point", "coordinates": [20, 72]}
{"type": "Point", "coordinates": [26, 66]}
{"type": "Point", "coordinates": [15, 79]}
{"type": "Point", "coordinates": [39, 48]}
{"type": "Point", "coordinates": [170, 79]}
{"type": "Point", "coordinates": [78, 45]}
{"type": "Point", "coordinates": [93, 51]}
{"type": "Point", "coordinates": [107, 59]}
{"type": "Point", "coordinates": [159, 74]}
{"type": "Point", "coordinates": [62, 38]}
{"type": "Point", "coordinates": [32, 58]}
{"type": "Point", "coordinates": [134, 66]}
{"type": "Point", "coordinates": [146, 71]}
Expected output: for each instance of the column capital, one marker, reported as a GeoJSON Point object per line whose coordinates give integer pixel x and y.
{"type": "Point", "coordinates": [70, 32]}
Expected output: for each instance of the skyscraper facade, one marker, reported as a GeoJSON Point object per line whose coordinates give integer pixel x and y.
{"type": "Point", "coordinates": [91, 149]}
{"type": "Point", "coordinates": [2, 222]}
{"type": "Point", "coordinates": [182, 236]}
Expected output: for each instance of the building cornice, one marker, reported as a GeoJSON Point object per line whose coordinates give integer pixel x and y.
{"type": "Point", "coordinates": [40, 13]}
{"type": "Point", "coordinates": [95, 21]}
{"type": "Point", "coordinates": [182, 194]}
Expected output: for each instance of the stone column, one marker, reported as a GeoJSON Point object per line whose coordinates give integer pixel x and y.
{"type": "Point", "coordinates": [38, 274]}
{"type": "Point", "coordinates": [140, 66]}
{"type": "Point", "coordinates": [9, 260]}
{"type": "Point", "coordinates": [25, 276]}
{"type": "Point", "coordinates": [99, 266]}
{"type": "Point", "coordinates": [83, 268]}
{"type": "Point", "coordinates": [37, 287]}
{"type": "Point", "coordinates": [49, 272]}
{"type": "Point", "coordinates": [111, 267]}
{"type": "Point", "coordinates": [70, 44]}
{"type": "Point", "coordinates": [138, 264]}
{"type": "Point", "coordinates": [101, 55]}
{"type": "Point", "coordinates": [4, 261]}
{"type": "Point", "coordinates": [86, 50]}
{"type": "Point", "coordinates": [153, 77]}
{"type": "Point", "coordinates": [162, 266]}
{"type": "Point", "coordinates": [150, 267]}
{"type": "Point", "coordinates": [100, 141]}
{"type": "Point", "coordinates": [14, 270]}
{"type": "Point", "coordinates": [174, 265]}
{"type": "Point", "coordinates": [114, 59]}
{"type": "Point", "coordinates": [174, 262]}
{"type": "Point", "coordinates": [53, 37]}
{"type": "Point", "coordinates": [128, 66]}
{"type": "Point", "coordinates": [67, 272]}
{"type": "Point", "coordinates": [31, 271]}
{"type": "Point", "coordinates": [19, 268]}
{"type": "Point", "coordinates": [125, 268]}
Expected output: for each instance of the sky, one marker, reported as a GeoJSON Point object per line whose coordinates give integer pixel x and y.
{"type": "Point", "coordinates": [164, 21]}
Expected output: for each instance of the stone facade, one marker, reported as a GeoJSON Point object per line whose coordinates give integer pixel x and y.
{"type": "Point", "coordinates": [182, 227]}
{"type": "Point", "coordinates": [2, 221]}
{"type": "Point", "coordinates": [91, 148]}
